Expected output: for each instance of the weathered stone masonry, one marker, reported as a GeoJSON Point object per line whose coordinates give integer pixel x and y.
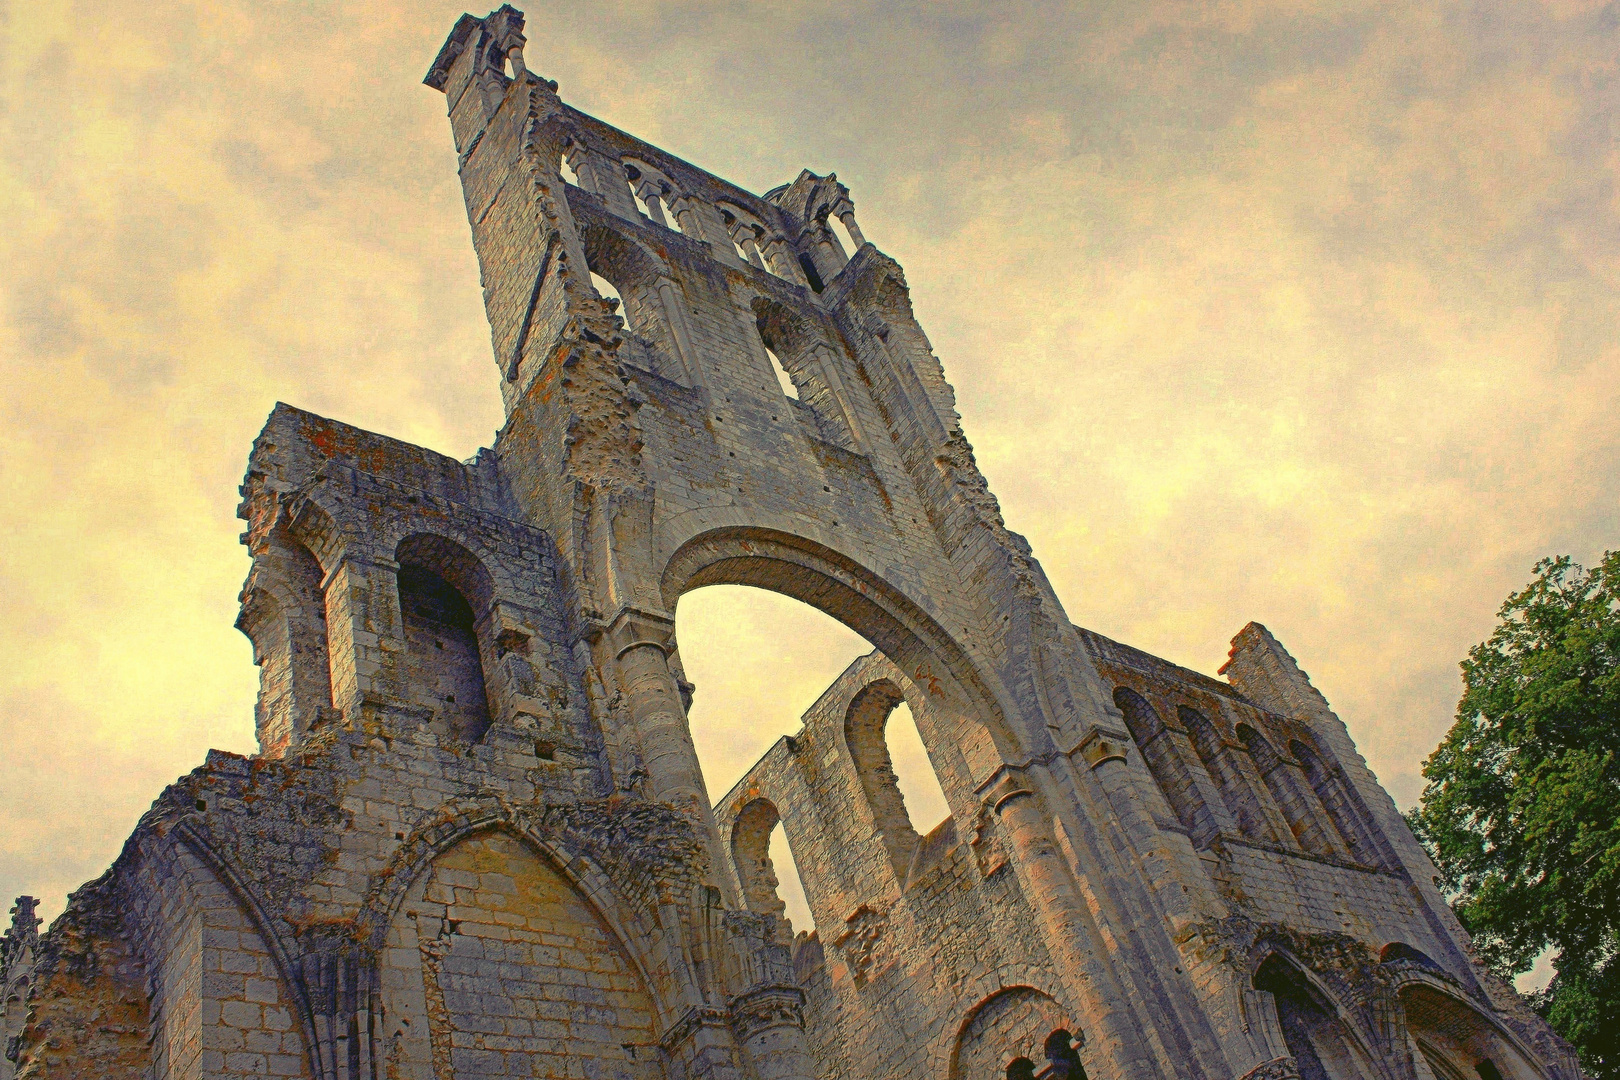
{"type": "Point", "coordinates": [476, 841]}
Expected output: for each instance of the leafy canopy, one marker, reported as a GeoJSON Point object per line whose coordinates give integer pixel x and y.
{"type": "Point", "coordinates": [1521, 812]}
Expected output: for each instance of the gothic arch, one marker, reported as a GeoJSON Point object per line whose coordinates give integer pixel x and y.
{"type": "Point", "coordinates": [1455, 1036]}
{"type": "Point", "coordinates": [839, 586]}
{"type": "Point", "coordinates": [623, 260]}
{"type": "Point", "coordinates": [315, 525]}
{"type": "Point", "coordinates": [1321, 1034]}
{"type": "Point", "coordinates": [1164, 762]}
{"type": "Point", "coordinates": [1300, 807]}
{"type": "Point", "coordinates": [463, 818]}
{"type": "Point", "coordinates": [446, 603]}
{"type": "Point", "coordinates": [495, 894]}
{"type": "Point", "coordinates": [215, 885]}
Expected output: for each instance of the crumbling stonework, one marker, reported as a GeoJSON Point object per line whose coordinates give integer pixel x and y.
{"type": "Point", "coordinates": [476, 841]}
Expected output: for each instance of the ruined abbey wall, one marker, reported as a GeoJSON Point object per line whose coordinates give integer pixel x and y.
{"type": "Point", "coordinates": [476, 841]}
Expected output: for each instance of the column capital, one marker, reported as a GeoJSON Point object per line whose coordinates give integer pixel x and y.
{"type": "Point", "coordinates": [632, 628]}
{"type": "Point", "coordinates": [691, 1022]}
{"type": "Point", "coordinates": [1100, 744]}
{"type": "Point", "coordinates": [1010, 784]}
{"type": "Point", "coordinates": [766, 1007]}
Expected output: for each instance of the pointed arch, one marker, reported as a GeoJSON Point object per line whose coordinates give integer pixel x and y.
{"type": "Point", "coordinates": [1320, 1037]}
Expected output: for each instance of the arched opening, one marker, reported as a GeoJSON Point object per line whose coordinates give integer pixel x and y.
{"type": "Point", "coordinates": [1339, 805]}
{"type": "Point", "coordinates": [1317, 1036]}
{"type": "Point", "coordinates": [1457, 1043]}
{"type": "Point", "coordinates": [443, 596]}
{"type": "Point", "coordinates": [805, 363]}
{"type": "Point", "coordinates": [284, 615]}
{"type": "Point", "coordinates": [841, 237]}
{"type": "Point", "coordinates": [1240, 801]}
{"type": "Point", "coordinates": [606, 290]}
{"type": "Point", "coordinates": [568, 174]}
{"type": "Point", "coordinates": [1398, 952]}
{"type": "Point", "coordinates": [1164, 762]}
{"type": "Point", "coordinates": [658, 338]}
{"type": "Point", "coordinates": [869, 724]}
{"type": "Point", "coordinates": [1299, 805]}
{"type": "Point", "coordinates": [1011, 1027]}
{"type": "Point", "coordinates": [758, 844]}
{"type": "Point", "coordinates": [810, 273]}
{"type": "Point", "coordinates": [781, 375]}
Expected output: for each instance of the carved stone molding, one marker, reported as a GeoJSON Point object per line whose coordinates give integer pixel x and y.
{"type": "Point", "coordinates": [765, 1008]}
{"type": "Point", "coordinates": [1283, 1068]}
{"type": "Point", "coordinates": [688, 1025]}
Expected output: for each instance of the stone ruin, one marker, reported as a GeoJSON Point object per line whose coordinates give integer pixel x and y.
{"type": "Point", "coordinates": [476, 842]}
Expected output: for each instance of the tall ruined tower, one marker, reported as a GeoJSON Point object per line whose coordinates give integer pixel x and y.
{"type": "Point", "coordinates": [477, 843]}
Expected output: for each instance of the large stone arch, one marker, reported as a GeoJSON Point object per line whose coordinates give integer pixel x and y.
{"type": "Point", "coordinates": [494, 954]}
{"type": "Point", "coordinates": [841, 587]}
{"type": "Point", "coordinates": [637, 930]}
{"type": "Point", "coordinates": [1454, 1037]}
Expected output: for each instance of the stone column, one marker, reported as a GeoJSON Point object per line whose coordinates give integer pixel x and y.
{"type": "Point", "coordinates": [780, 256]}
{"type": "Point", "coordinates": [641, 646]}
{"type": "Point", "coordinates": [1104, 751]}
{"type": "Point", "coordinates": [690, 220]}
{"type": "Point", "coordinates": [649, 194]}
{"type": "Point", "coordinates": [846, 214]}
{"type": "Point", "coordinates": [579, 159]}
{"type": "Point", "coordinates": [675, 315]}
{"type": "Point", "coordinates": [769, 1024]}
{"type": "Point", "coordinates": [829, 244]}
{"type": "Point", "coordinates": [1070, 934]}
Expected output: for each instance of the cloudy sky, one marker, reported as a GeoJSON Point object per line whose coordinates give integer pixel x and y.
{"type": "Point", "coordinates": [1304, 313]}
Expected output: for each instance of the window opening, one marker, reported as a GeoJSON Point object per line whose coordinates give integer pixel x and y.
{"type": "Point", "coordinates": [611, 295]}
{"type": "Point", "coordinates": [810, 275]}
{"type": "Point", "coordinates": [782, 376]}
{"type": "Point", "coordinates": [672, 220]}
{"type": "Point", "coordinates": [1062, 1050]}
{"type": "Point", "coordinates": [568, 174]}
{"type": "Point", "coordinates": [444, 669]}
{"type": "Point", "coordinates": [1317, 1038]}
{"type": "Point", "coordinates": [913, 771]}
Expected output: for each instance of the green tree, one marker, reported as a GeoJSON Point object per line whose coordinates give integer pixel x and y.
{"type": "Point", "coordinates": [1521, 812]}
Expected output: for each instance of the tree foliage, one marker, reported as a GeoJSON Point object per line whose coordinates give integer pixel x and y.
{"type": "Point", "coordinates": [1521, 811]}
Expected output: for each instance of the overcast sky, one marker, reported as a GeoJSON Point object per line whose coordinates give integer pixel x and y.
{"type": "Point", "coordinates": [1302, 313]}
